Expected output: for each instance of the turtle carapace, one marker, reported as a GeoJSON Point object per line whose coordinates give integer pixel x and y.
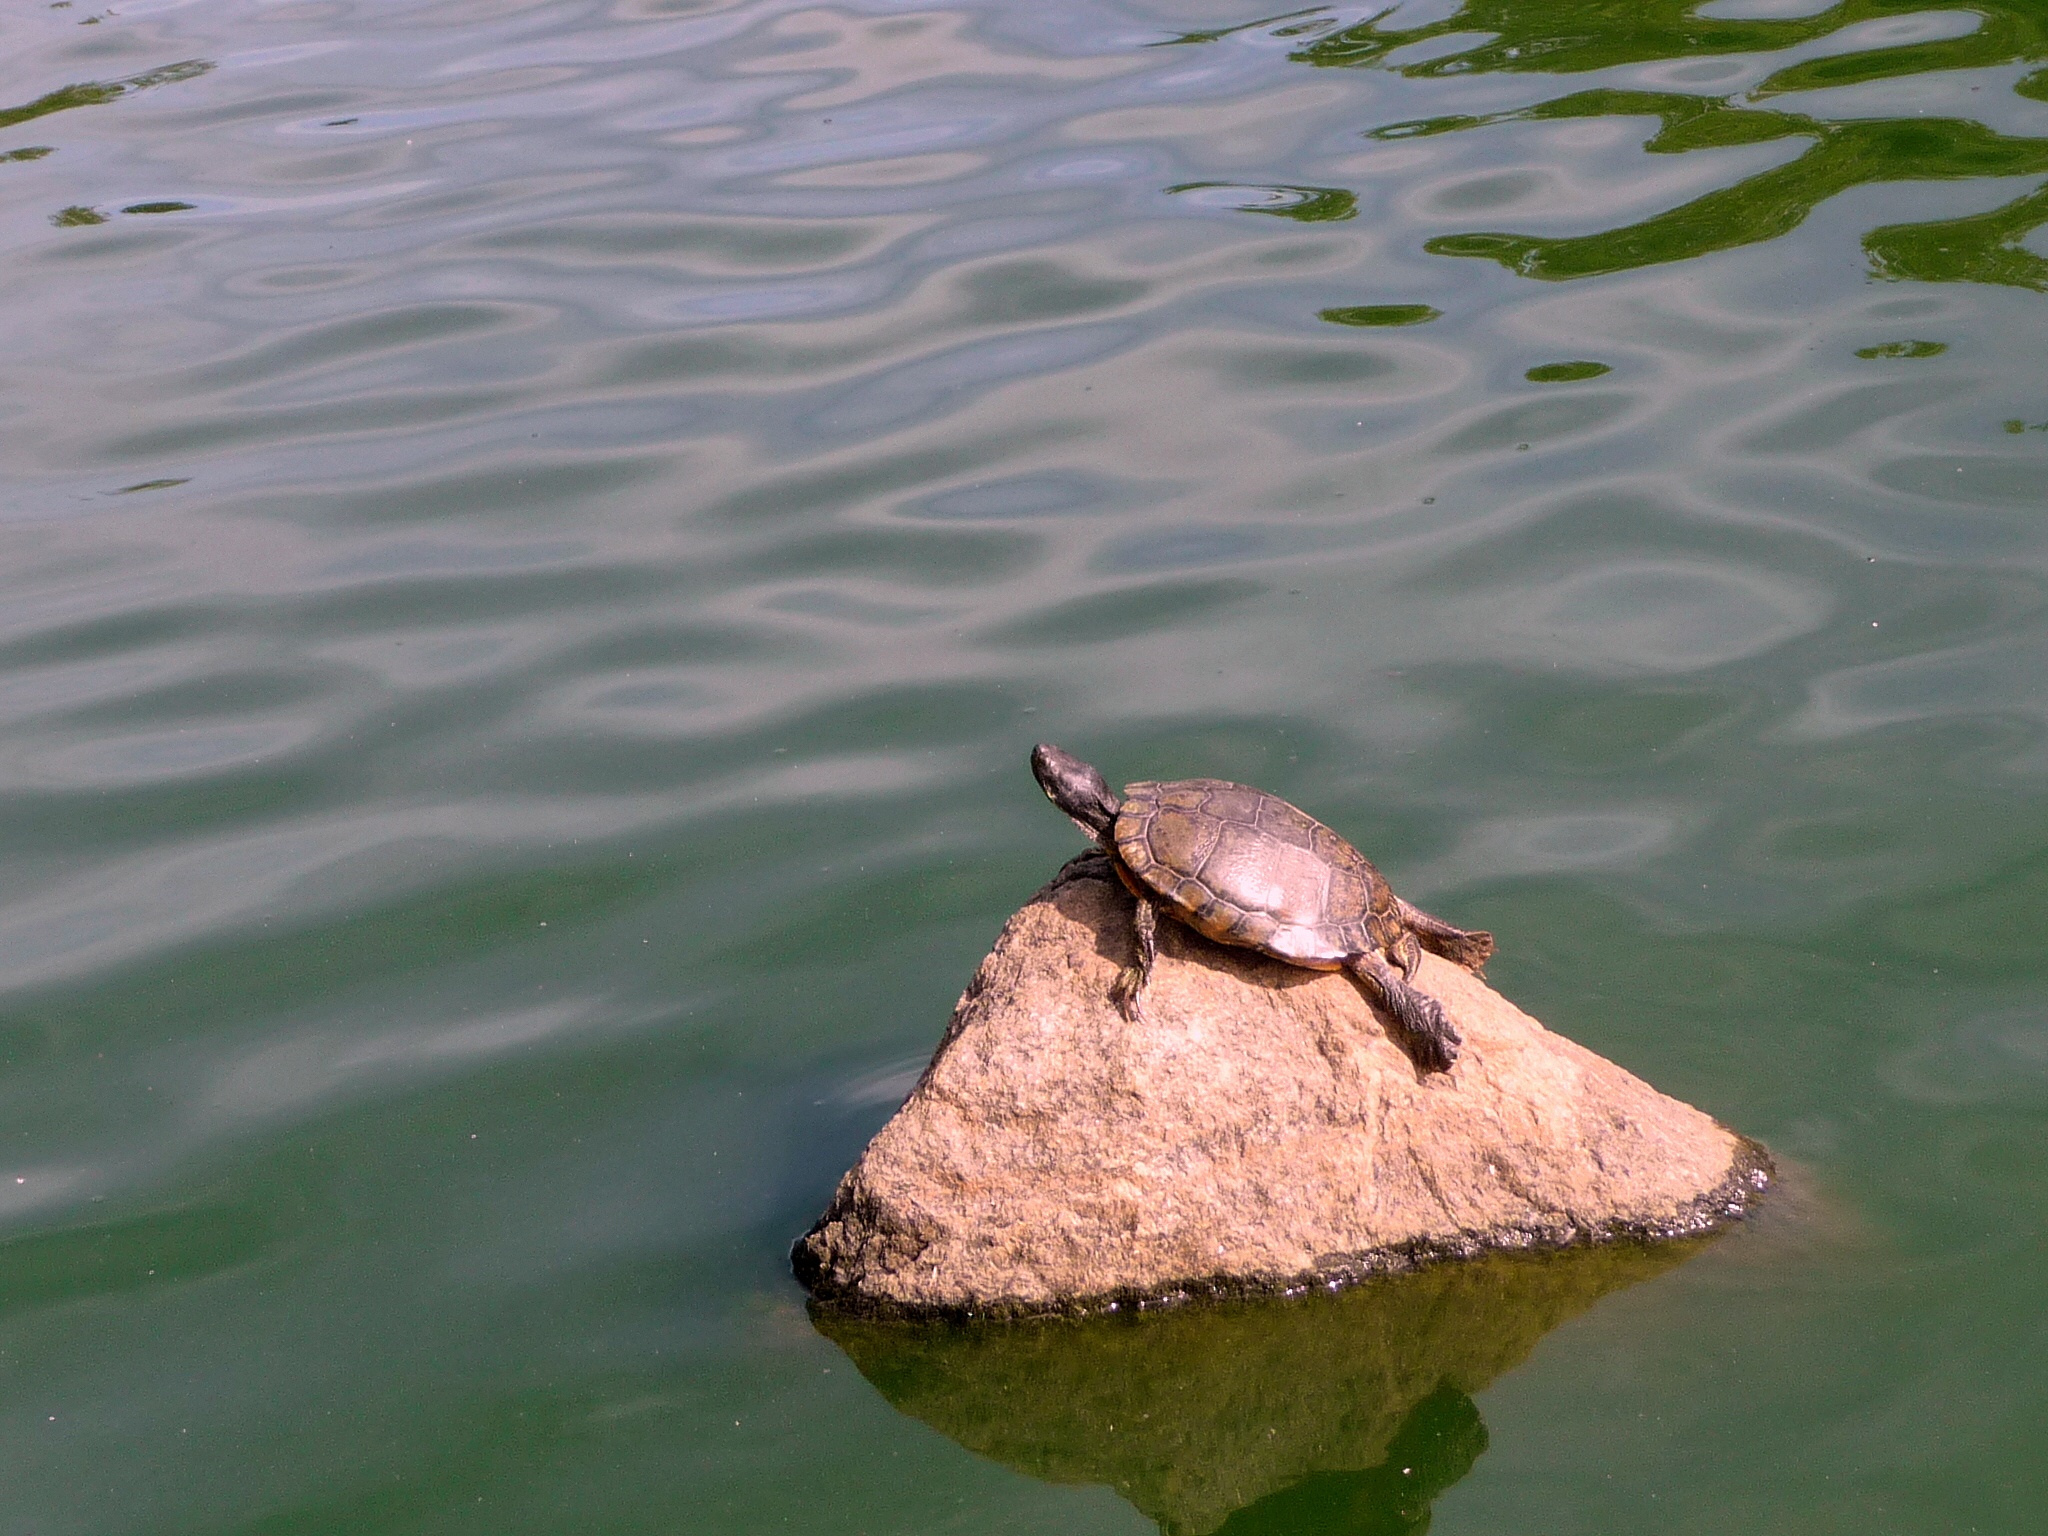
{"type": "Point", "coordinates": [1244, 867]}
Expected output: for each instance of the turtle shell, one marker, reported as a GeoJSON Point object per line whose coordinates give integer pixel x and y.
{"type": "Point", "coordinates": [1244, 867]}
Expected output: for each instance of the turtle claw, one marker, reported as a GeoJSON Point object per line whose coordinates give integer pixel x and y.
{"type": "Point", "coordinates": [1127, 993]}
{"type": "Point", "coordinates": [1421, 1027]}
{"type": "Point", "coordinates": [1430, 1040]}
{"type": "Point", "coordinates": [1436, 1049]}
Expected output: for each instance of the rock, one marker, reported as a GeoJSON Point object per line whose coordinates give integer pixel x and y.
{"type": "Point", "coordinates": [1246, 1417]}
{"type": "Point", "coordinates": [1257, 1131]}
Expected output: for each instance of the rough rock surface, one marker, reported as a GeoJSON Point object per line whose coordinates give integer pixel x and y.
{"type": "Point", "coordinates": [1258, 1130]}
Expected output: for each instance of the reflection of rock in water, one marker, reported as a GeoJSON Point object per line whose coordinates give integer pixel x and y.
{"type": "Point", "coordinates": [1331, 1413]}
{"type": "Point", "coordinates": [1434, 1447]}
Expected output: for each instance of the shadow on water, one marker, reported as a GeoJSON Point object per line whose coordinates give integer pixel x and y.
{"type": "Point", "coordinates": [1860, 43]}
{"type": "Point", "coordinates": [1332, 1413]}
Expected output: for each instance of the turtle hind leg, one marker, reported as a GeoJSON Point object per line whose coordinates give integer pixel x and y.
{"type": "Point", "coordinates": [1471, 950]}
{"type": "Point", "coordinates": [1423, 1028]}
{"type": "Point", "coordinates": [1406, 954]}
{"type": "Point", "coordinates": [1128, 991]}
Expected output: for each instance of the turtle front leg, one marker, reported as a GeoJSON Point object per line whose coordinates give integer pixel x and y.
{"type": "Point", "coordinates": [1129, 990]}
{"type": "Point", "coordinates": [1471, 950]}
{"type": "Point", "coordinates": [1427, 1036]}
{"type": "Point", "coordinates": [1092, 865]}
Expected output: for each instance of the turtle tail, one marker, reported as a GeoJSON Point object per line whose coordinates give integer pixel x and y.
{"type": "Point", "coordinates": [1471, 950]}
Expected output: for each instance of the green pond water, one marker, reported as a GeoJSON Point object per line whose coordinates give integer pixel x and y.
{"type": "Point", "coordinates": [536, 538]}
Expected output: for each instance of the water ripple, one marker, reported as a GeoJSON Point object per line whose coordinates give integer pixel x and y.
{"type": "Point", "coordinates": [539, 533]}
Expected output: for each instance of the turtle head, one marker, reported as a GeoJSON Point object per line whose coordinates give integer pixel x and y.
{"type": "Point", "coordinates": [1076, 788]}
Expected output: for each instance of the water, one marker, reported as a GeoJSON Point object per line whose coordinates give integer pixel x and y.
{"type": "Point", "coordinates": [538, 537]}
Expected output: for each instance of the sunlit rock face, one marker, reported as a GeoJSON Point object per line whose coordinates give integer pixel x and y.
{"type": "Point", "coordinates": [1258, 1130]}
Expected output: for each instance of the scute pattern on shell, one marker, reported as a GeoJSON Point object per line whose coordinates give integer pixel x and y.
{"type": "Point", "coordinates": [1244, 867]}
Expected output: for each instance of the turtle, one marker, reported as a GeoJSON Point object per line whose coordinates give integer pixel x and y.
{"type": "Point", "coordinates": [1245, 868]}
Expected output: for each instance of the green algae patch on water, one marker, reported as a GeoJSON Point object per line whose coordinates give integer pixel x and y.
{"type": "Point", "coordinates": [98, 93]}
{"type": "Point", "coordinates": [1565, 373]}
{"type": "Point", "coordinates": [1569, 38]}
{"type": "Point", "coordinates": [1381, 314]}
{"type": "Point", "coordinates": [1308, 205]}
{"type": "Point", "coordinates": [1904, 349]}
